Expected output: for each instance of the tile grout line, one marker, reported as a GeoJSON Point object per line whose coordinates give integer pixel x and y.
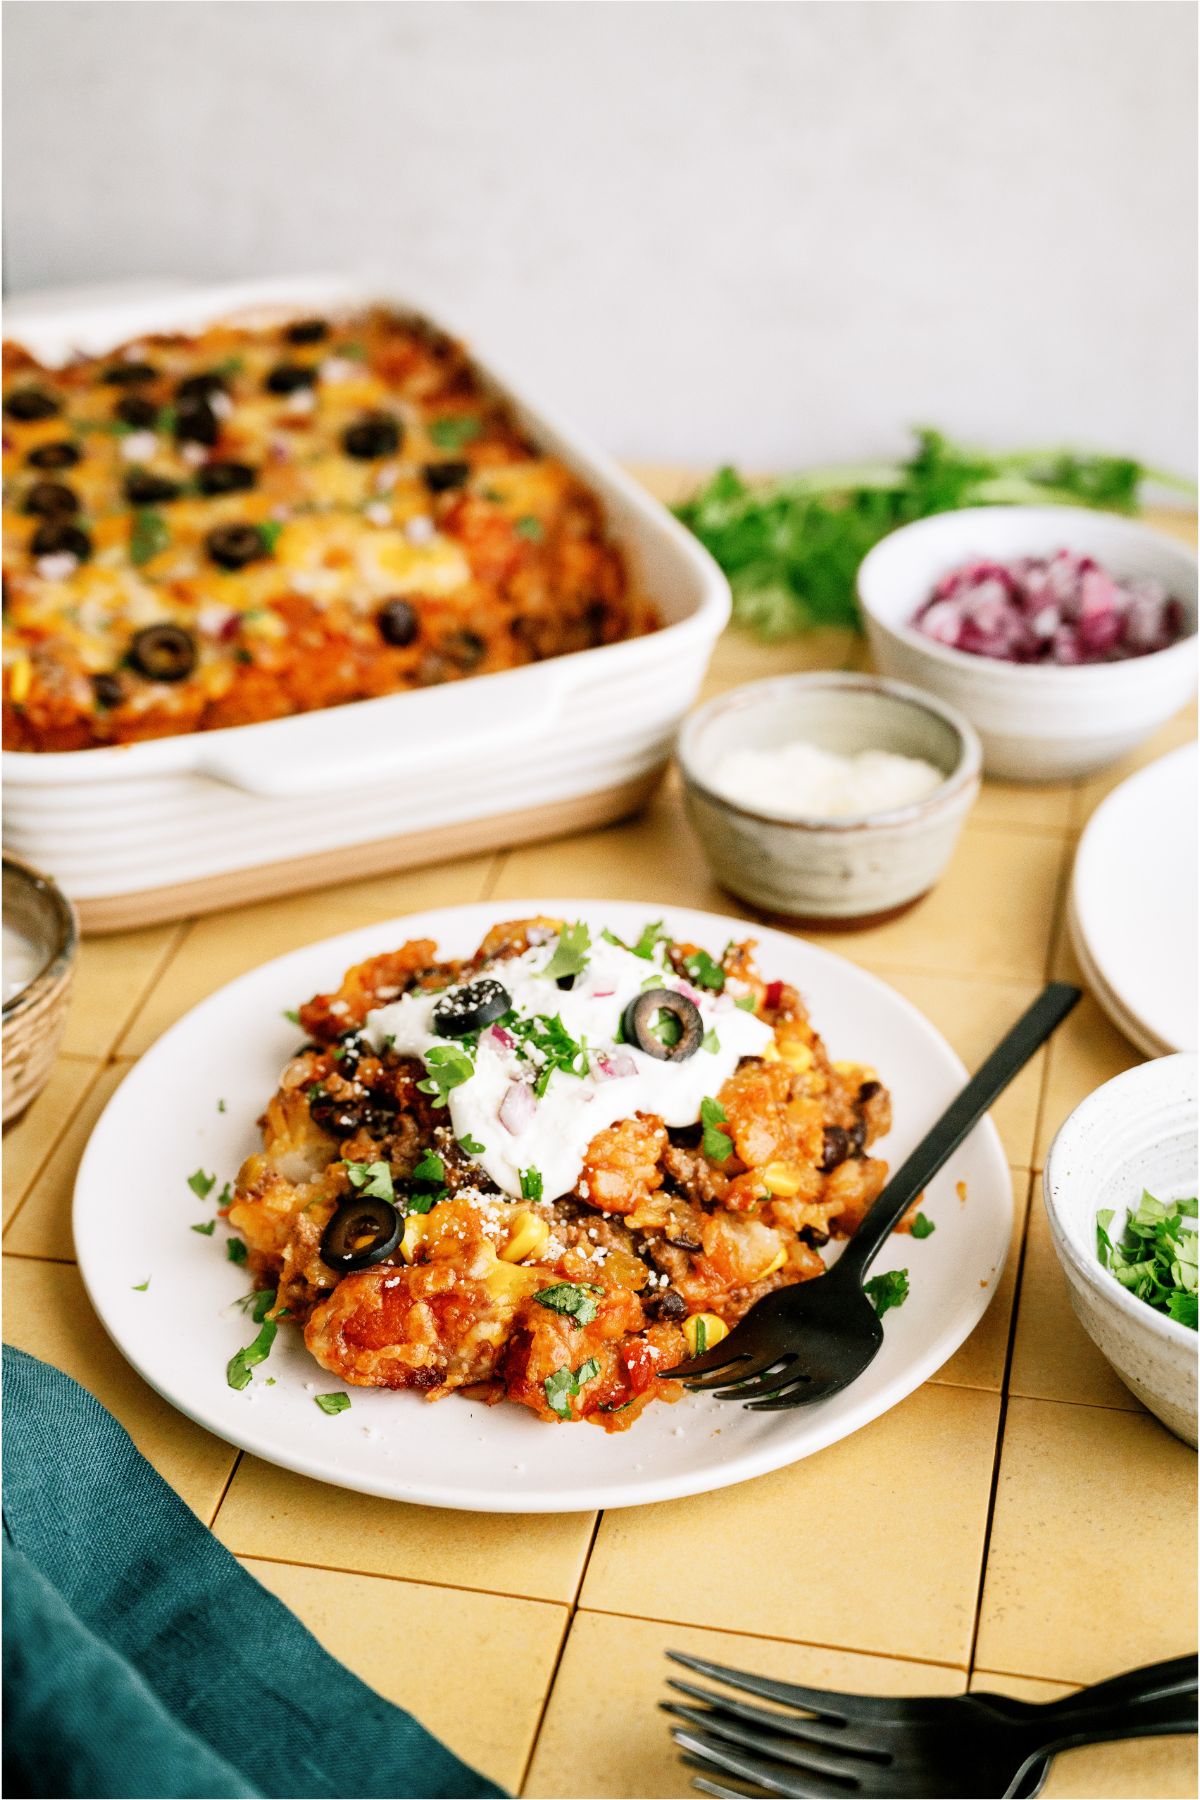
{"type": "Point", "coordinates": [426, 1581]}
{"type": "Point", "coordinates": [237, 1463]}
{"type": "Point", "coordinates": [1057, 916]}
{"type": "Point", "coordinates": [1001, 1423]}
{"type": "Point", "coordinates": [572, 1614]}
{"type": "Point", "coordinates": [769, 1637]}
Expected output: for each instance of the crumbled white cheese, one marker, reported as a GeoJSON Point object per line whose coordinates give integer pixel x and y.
{"type": "Point", "coordinates": [805, 782]}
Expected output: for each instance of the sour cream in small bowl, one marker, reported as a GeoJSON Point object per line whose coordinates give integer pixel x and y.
{"type": "Point", "coordinates": [828, 797]}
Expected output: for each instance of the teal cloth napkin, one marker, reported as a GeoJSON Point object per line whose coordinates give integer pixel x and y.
{"type": "Point", "coordinates": [141, 1659]}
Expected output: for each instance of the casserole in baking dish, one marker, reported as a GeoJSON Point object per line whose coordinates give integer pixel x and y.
{"type": "Point", "coordinates": [513, 587]}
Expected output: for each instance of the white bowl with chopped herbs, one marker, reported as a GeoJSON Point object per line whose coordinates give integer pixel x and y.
{"type": "Point", "coordinates": [1120, 1192]}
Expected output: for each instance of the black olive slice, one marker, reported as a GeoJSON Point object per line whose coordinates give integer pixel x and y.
{"type": "Point", "coordinates": [129, 374]}
{"type": "Point", "coordinates": [30, 403]}
{"type": "Point", "coordinates": [136, 410]}
{"type": "Point", "coordinates": [57, 537]}
{"type": "Point", "coordinates": [307, 331]}
{"type": "Point", "coordinates": [51, 500]}
{"type": "Point", "coordinates": [471, 1008]}
{"type": "Point", "coordinates": [440, 476]}
{"type": "Point", "coordinates": [287, 378]}
{"type": "Point", "coordinates": [163, 652]}
{"type": "Point", "coordinates": [143, 488]}
{"type": "Point", "coordinates": [233, 546]}
{"type": "Point", "coordinates": [375, 435]}
{"type": "Point", "coordinates": [55, 456]}
{"type": "Point", "coordinates": [397, 623]}
{"type": "Point", "coordinates": [362, 1232]}
{"type": "Point", "coordinates": [196, 422]}
{"type": "Point", "coordinates": [664, 1024]}
{"type": "Point", "coordinates": [108, 691]}
{"type": "Point", "coordinates": [225, 477]}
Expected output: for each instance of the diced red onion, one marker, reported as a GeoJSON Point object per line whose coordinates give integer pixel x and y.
{"type": "Point", "coordinates": [613, 1065]}
{"type": "Point", "coordinates": [517, 1108]}
{"type": "Point", "coordinates": [1061, 609]}
{"type": "Point", "coordinates": [505, 1039]}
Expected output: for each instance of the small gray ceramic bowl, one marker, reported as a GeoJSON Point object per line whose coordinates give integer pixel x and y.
{"type": "Point", "coordinates": [1137, 1131]}
{"type": "Point", "coordinates": [35, 1014]}
{"type": "Point", "coordinates": [811, 869]}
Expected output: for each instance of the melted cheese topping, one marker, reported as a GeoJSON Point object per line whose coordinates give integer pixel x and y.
{"type": "Point", "coordinates": [550, 1134]}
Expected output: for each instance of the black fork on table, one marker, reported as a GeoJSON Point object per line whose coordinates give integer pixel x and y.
{"type": "Point", "coordinates": [806, 1342]}
{"type": "Point", "coordinates": [816, 1744]}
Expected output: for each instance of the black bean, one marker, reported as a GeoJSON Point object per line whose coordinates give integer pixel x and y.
{"type": "Point", "coordinates": [129, 374]}
{"type": "Point", "coordinates": [143, 488]}
{"type": "Point", "coordinates": [397, 623]}
{"type": "Point", "coordinates": [288, 378]}
{"type": "Point", "coordinates": [375, 435]}
{"type": "Point", "coordinates": [195, 421]}
{"type": "Point", "coordinates": [136, 410]}
{"type": "Point", "coordinates": [835, 1148]}
{"type": "Point", "coordinates": [440, 476]}
{"type": "Point", "coordinates": [225, 477]}
{"type": "Point", "coordinates": [108, 691]}
{"type": "Point", "coordinates": [307, 331]}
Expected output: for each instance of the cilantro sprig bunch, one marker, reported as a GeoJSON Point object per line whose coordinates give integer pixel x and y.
{"type": "Point", "coordinates": [791, 550]}
{"type": "Point", "coordinates": [1155, 1255]}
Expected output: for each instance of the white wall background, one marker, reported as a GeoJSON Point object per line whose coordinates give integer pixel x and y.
{"type": "Point", "coordinates": [774, 233]}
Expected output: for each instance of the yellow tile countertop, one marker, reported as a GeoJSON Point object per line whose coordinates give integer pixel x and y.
{"type": "Point", "coordinates": [1019, 1523]}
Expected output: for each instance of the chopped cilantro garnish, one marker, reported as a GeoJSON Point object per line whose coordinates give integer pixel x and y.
{"type": "Point", "coordinates": [712, 1043]}
{"type": "Point", "coordinates": [148, 534]}
{"type": "Point", "coordinates": [430, 1168]}
{"type": "Point", "coordinates": [923, 1227]}
{"type": "Point", "coordinates": [292, 1016]}
{"type": "Point", "coordinates": [207, 1229]}
{"type": "Point", "coordinates": [747, 1002]}
{"type": "Point", "coordinates": [220, 1106]}
{"type": "Point", "coordinates": [268, 531]}
{"type": "Point", "coordinates": [225, 1197]}
{"type": "Point", "coordinates": [230, 365]}
{"type": "Point", "coordinates": [472, 1146]}
{"type": "Point", "coordinates": [238, 1372]}
{"type": "Point", "coordinates": [717, 1144]}
{"type": "Point", "coordinates": [546, 1042]}
{"type": "Point", "coordinates": [201, 1184]}
{"type": "Point", "coordinates": [448, 1067]}
{"type": "Point", "coordinates": [886, 1291]}
{"type": "Point", "coordinates": [704, 971]}
{"type": "Point", "coordinates": [257, 1303]}
{"type": "Point", "coordinates": [531, 1184]}
{"type": "Point", "coordinates": [141, 1287]}
{"type": "Point", "coordinates": [574, 1299]}
{"type": "Point", "coordinates": [373, 1180]}
{"type": "Point", "coordinates": [1155, 1255]}
{"type": "Point", "coordinates": [666, 1027]}
{"type": "Point", "coordinates": [454, 433]}
{"type": "Point", "coordinates": [565, 1382]}
{"type": "Point", "coordinates": [701, 1337]}
{"type": "Point", "coordinates": [570, 953]}
{"type": "Point", "coordinates": [235, 1250]}
{"type": "Point", "coordinates": [356, 352]}
{"type": "Point", "coordinates": [530, 528]}
{"type": "Point", "coordinates": [652, 934]}
{"type": "Point", "coordinates": [333, 1403]}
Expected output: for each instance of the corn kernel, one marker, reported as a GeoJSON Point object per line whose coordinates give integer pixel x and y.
{"type": "Point", "coordinates": [702, 1331]}
{"type": "Point", "coordinates": [798, 1055]}
{"type": "Point", "coordinates": [776, 1262]}
{"type": "Point", "coordinates": [416, 1228]}
{"type": "Point", "coordinates": [529, 1236]}
{"type": "Point", "coordinates": [20, 681]}
{"type": "Point", "coordinates": [783, 1179]}
{"type": "Point", "coordinates": [863, 1071]}
{"type": "Point", "coordinates": [771, 1052]}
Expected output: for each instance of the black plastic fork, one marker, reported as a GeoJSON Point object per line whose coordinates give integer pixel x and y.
{"type": "Point", "coordinates": [807, 1342]}
{"type": "Point", "coordinates": [816, 1744]}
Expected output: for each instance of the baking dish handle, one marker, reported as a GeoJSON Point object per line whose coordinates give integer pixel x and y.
{"type": "Point", "coordinates": [323, 753]}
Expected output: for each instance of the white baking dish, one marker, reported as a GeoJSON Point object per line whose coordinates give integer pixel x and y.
{"type": "Point", "coordinates": [140, 832]}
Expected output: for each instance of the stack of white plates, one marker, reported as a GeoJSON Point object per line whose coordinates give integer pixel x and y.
{"type": "Point", "coordinates": [1133, 905]}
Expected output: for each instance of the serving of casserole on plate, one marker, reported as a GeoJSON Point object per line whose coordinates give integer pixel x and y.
{"type": "Point", "coordinates": [532, 1154]}
{"type": "Point", "coordinates": [255, 541]}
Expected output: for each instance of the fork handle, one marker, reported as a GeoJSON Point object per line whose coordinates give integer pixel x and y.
{"type": "Point", "coordinates": [1066, 1726]}
{"type": "Point", "coordinates": [939, 1144]}
{"type": "Point", "coordinates": [1151, 1682]}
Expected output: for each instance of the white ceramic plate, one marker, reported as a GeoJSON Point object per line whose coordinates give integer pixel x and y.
{"type": "Point", "coordinates": [133, 1210]}
{"type": "Point", "coordinates": [1134, 902]}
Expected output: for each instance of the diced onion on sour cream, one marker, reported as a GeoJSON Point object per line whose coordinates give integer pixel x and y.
{"type": "Point", "coordinates": [620, 1080]}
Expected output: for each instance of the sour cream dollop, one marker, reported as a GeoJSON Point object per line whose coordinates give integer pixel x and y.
{"type": "Point", "coordinates": [551, 1135]}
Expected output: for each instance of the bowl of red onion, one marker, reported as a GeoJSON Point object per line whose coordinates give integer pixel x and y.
{"type": "Point", "coordinates": [1066, 636]}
